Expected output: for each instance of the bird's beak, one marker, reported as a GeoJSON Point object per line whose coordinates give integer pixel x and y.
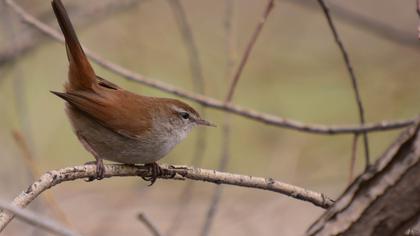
{"type": "Point", "coordinates": [204, 122]}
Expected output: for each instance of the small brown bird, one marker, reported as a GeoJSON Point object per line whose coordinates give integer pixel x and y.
{"type": "Point", "coordinates": [115, 124]}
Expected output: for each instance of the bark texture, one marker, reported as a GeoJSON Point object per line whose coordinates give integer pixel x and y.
{"type": "Point", "coordinates": [385, 200]}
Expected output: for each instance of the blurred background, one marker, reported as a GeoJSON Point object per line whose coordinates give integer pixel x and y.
{"type": "Point", "coordinates": [295, 71]}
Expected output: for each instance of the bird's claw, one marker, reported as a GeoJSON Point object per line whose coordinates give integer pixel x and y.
{"type": "Point", "coordinates": [156, 171]}
{"type": "Point", "coordinates": [100, 170]}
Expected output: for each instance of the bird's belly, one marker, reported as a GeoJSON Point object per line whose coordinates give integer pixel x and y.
{"type": "Point", "coordinates": [112, 146]}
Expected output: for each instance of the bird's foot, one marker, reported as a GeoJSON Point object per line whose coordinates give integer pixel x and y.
{"type": "Point", "coordinates": [100, 170]}
{"type": "Point", "coordinates": [156, 171]}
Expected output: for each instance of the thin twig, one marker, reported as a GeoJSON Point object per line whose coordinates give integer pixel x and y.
{"type": "Point", "coordinates": [84, 14]}
{"type": "Point", "coordinates": [198, 87]}
{"type": "Point", "coordinates": [215, 200]}
{"type": "Point", "coordinates": [184, 199]}
{"type": "Point", "coordinates": [55, 177]}
{"type": "Point", "coordinates": [225, 145]}
{"type": "Point", "coordinates": [35, 219]}
{"type": "Point", "coordinates": [351, 74]}
{"type": "Point", "coordinates": [214, 103]}
{"type": "Point", "coordinates": [373, 26]}
{"type": "Point", "coordinates": [418, 13]}
{"type": "Point", "coordinates": [190, 45]}
{"type": "Point", "coordinates": [353, 157]}
{"type": "Point", "coordinates": [26, 152]}
{"type": "Point", "coordinates": [20, 102]}
{"type": "Point", "coordinates": [211, 212]}
{"type": "Point", "coordinates": [149, 225]}
{"type": "Point", "coordinates": [35, 172]}
{"type": "Point", "coordinates": [248, 50]}
{"type": "Point", "coordinates": [196, 71]}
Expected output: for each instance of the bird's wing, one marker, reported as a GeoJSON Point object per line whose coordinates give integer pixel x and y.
{"type": "Point", "coordinates": [107, 84]}
{"type": "Point", "coordinates": [128, 118]}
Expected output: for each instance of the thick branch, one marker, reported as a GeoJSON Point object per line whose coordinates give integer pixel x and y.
{"type": "Point", "coordinates": [385, 200]}
{"type": "Point", "coordinates": [211, 102]}
{"type": "Point", "coordinates": [55, 177]}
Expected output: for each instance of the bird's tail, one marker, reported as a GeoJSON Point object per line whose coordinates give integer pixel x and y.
{"type": "Point", "coordinates": [81, 74]}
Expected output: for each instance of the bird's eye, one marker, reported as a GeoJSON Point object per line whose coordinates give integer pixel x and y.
{"type": "Point", "coordinates": [184, 115]}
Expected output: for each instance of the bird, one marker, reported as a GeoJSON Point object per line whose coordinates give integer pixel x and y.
{"type": "Point", "coordinates": [113, 123]}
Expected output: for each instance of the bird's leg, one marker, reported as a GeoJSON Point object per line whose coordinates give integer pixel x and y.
{"type": "Point", "coordinates": [100, 168]}
{"type": "Point", "coordinates": [155, 170]}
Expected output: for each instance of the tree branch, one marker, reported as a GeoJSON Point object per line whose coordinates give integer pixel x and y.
{"type": "Point", "coordinates": [54, 177]}
{"type": "Point", "coordinates": [198, 87]}
{"type": "Point", "coordinates": [226, 132]}
{"type": "Point", "coordinates": [149, 225]}
{"type": "Point", "coordinates": [190, 45]}
{"type": "Point", "coordinates": [34, 170]}
{"type": "Point", "coordinates": [35, 219]}
{"type": "Point", "coordinates": [87, 14]}
{"type": "Point", "coordinates": [248, 50]}
{"type": "Point", "coordinates": [351, 73]}
{"type": "Point", "coordinates": [418, 14]}
{"type": "Point", "coordinates": [211, 102]}
{"type": "Point", "coordinates": [353, 157]}
{"type": "Point", "coordinates": [383, 201]}
{"type": "Point", "coordinates": [367, 23]}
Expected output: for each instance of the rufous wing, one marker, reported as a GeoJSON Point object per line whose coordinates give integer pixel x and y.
{"type": "Point", "coordinates": [130, 117]}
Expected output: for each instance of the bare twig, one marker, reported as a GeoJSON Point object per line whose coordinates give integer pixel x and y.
{"type": "Point", "coordinates": [184, 200]}
{"type": "Point", "coordinates": [19, 100]}
{"type": "Point", "coordinates": [35, 219]}
{"type": "Point", "coordinates": [18, 80]}
{"type": "Point", "coordinates": [86, 14]}
{"type": "Point", "coordinates": [195, 68]}
{"type": "Point", "coordinates": [213, 103]}
{"type": "Point", "coordinates": [149, 225]}
{"type": "Point", "coordinates": [26, 152]}
{"type": "Point", "coordinates": [418, 13]}
{"type": "Point", "coordinates": [225, 145]}
{"type": "Point", "coordinates": [353, 157]}
{"type": "Point", "coordinates": [198, 87]}
{"type": "Point", "coordinates": [211, 212]}
{"type": "Point", "coordinates": [225, 153]}
{"type": "Point", "coordinates": [351, 74]}
{"type": "Point", "coordinates": [187, 35]}
{"type": "Point", "coordinates": [248, 50]}
{"type": "Point", "coordinates": [215, 200]}
{"type": "Point", "coordinates": [367, 23]}
{"type": "Point", "coordinates": [35, 172]}
{"type": "Point", "coordinates": [54, 177]}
